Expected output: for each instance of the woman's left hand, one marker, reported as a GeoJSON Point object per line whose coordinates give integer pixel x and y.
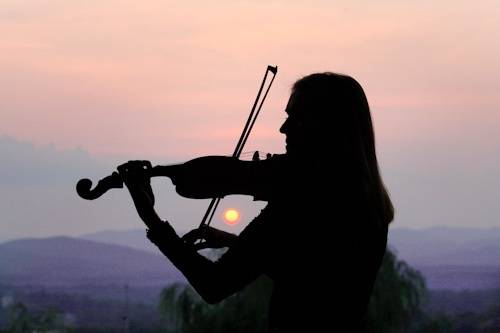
{"type": "Point", "coordinates": [136, 176]}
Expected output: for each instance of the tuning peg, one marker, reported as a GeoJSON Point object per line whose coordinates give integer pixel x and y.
{"type": "Point", "coordinates": [256, 156]}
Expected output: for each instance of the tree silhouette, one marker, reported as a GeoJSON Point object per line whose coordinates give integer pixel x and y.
{"type": "Point", "coordinates": [395, 306]}
{"type": "Point", "coordinates": [397, 299]}
{"type": "Point", "coordinates": [184, 311]}
{"type": "Point", "coordinates": [21, 320]}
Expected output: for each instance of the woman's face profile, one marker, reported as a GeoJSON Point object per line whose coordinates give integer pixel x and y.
{"type": "Point", "coordinates": [293, 127]}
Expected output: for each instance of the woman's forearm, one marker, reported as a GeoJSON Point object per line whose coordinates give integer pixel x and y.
{"type": "Point", "coordinates": [206, 277]}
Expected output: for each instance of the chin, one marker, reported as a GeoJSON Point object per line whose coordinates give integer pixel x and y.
{"type": "Point", "coordinates": [296, 151]}
{"type": "Point", "coordinates": [291, 151]}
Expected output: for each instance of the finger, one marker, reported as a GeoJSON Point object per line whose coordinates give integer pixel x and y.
{"type": "Point", "coordinates": [202, 245]}
{"type": "Point", "coordinates": [134, 165]}
{"type": "Point", "coordinates": [153, 236]}
{"type": "Point", "coordinates": [205, 232]}
{"type": "Point", "coordinates": [127, 168]}
{"type": "Point", "coordinates": [197, 233]}
{"type": "Point", "coordinates": [134, 171]}
{"type": "Point", "coordinates": [141, 164]}
{"type": "Point", "coordinates": [122, 168]}
{"type": "Point", "coordinates": [192, 236]}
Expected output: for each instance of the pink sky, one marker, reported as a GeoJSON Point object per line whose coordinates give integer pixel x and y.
{"type": "Point", "coordinates": [178, 78]}
{"type": "Point", "coordinates": [171, 80]}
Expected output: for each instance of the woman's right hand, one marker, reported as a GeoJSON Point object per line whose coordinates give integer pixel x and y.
{"type": "Point", "coordinates": [211, 238]}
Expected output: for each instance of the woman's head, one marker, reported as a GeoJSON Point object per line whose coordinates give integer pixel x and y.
{"type": "Point", "coordinates": [326, 111]}
{"type": "Point", "coordinates": [328, 114]}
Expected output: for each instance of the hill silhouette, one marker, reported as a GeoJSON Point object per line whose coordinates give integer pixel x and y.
{"type": "Point", "coordinates": [449, 257]}
{"type": "Point", "coordinates": [66, 261]}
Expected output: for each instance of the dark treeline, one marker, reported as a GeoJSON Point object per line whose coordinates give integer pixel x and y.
{"type": "Point", "coordinates": [396, 305]}
{"type": "Point", "coordinates": [400, 303]}
{"type": "Point", "coordinates": [43, 311]}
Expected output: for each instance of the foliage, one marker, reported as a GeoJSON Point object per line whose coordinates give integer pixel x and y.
{"type": "Point", "coordinates": [398, 297]}
{"type": "Point", "coordinates": [482, 322]}
{"type": "Point", "coordinates": [184, 310]}
{"type": "Point", "coordinates": [22, 320]}
{"type": "Point", "coordinates": [438, 323]}
{"type": "Point", "coordinates": [397, 300]}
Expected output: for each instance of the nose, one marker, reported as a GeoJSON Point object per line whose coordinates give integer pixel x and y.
{"type": "Point", "coordinates": [284, 127]}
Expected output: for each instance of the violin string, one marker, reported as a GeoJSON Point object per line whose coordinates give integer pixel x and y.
{"type": "Point", "coordinates": [244, 154]}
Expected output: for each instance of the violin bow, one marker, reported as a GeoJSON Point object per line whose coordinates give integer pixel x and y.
{"type": "Point", "coordinates": [212, 207]}
{"type": "Point", "coordinates": [84, 186]}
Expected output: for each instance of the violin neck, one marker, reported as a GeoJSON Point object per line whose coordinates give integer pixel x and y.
{"type": "Point", "coordinates": [165, 170]}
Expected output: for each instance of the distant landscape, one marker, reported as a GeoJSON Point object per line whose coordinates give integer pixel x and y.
{"type": "Point", "coordinates": [449, 258]}
{"type": "Point", "coordinates": [92, 277]}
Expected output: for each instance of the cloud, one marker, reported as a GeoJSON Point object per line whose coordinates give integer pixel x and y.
{"type": "Point", "coordinates": [443, 184]}
{"type": "Point", "coordinates": [38, 196]}
{"type": "Point", "coordinates": [429, 186]}
{"type": "Point", "coordinates": [25, 164]}
{"type": "Point", "coordinates": [176, 80]}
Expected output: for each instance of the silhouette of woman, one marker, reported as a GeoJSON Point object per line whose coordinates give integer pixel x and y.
{"type": "Point", "coordinates": [323, 233]}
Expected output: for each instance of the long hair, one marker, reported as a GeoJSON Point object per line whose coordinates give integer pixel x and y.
{"type": "Point", "coordinates": [338, 103]}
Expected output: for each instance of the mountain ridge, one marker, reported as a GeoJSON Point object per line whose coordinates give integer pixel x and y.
{"type": "Point", "coordinates": [68, 261]}
{"type": "Point", "coordinates": [449, 258]}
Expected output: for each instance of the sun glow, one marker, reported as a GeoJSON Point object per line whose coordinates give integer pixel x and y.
{"type": "Point", "coordinates": [231, 216]}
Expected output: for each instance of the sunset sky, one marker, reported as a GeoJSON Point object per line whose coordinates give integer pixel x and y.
{"type": "Point", "coordinates": [87, 84]}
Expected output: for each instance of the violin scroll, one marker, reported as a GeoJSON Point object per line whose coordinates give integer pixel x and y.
{"type": "Point", "coordinates": [84, 186]}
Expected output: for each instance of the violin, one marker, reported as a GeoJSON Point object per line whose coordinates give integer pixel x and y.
{"type": "Point", "coordinates": [84, 186]}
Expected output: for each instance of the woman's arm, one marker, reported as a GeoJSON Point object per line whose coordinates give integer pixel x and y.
{"type": "Point", "coordinates": [214, 281]}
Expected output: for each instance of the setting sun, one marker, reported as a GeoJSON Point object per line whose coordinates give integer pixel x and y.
{"type": "Point", "coordinates": [231, 216]}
